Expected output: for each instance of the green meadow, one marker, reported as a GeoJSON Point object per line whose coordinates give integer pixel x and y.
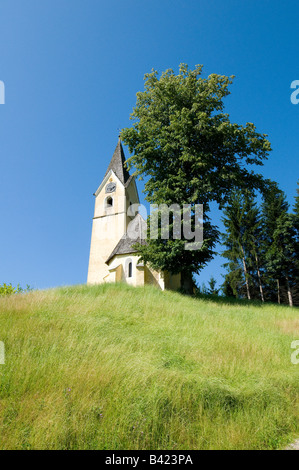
{"type": "Point", "coordinates": [115, 367]}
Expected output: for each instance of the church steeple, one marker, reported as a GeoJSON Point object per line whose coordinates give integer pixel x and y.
{"type": "Point", "coordinates": [117, 164]}
{"type": "Point", "coordinates": [113, 197]}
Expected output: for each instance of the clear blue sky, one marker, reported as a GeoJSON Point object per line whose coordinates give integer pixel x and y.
{"type": "Point", "coordinates": [71, 69]}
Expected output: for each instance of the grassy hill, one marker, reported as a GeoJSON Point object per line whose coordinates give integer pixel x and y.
{"type": "Point", "coordinates": [114, 367]}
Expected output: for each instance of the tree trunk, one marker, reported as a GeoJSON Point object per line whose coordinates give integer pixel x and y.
{"type": "Point", "coordinates": [278, 291]}
{"type": "Point", "coordinates": [259, 278]}
{"type": "Point", "coordinates": [290, 297]}
{"type": "Point", "coordinates": [187, 283]}
{"type": "Point", "coordinates": [245, 274]}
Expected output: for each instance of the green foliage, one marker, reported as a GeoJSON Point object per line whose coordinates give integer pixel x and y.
{"type": "Point", "coordinates": [242, 240]}
{"type": "Point", "coordinates": [262, 247]}
{"type": "Point", "coordinates": [171, 255]}
{"type": "Point", "coordinates": [189, 151]}
{"type": "Point", "coordinates": [296, 208]}
{"type": "Point", "coordinates": [295, 216]}
{"type": "Point", "coordinates": [8, 289]}
{"type": "Point", "coordinates": [279, 238]}
{"type": "Point", "coordinates": [274, 206]}
{"type": "Point", "coordinates": [115, 367]}
{"type": "Point", "coordinates": [296, 227]}
{"type": "Point", "coordinates": [233, 285]}
{"type": "Point", "coordinates": [212, 289]}
{"type": "Point", "coordinates": [185, 143]}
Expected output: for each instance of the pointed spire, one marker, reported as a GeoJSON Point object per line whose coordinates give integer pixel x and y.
{"type": "Point", "coordinates": [117, 164]}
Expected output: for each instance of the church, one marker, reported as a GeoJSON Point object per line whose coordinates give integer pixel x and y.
{"type": "Point", "coordinates": [117, 227]}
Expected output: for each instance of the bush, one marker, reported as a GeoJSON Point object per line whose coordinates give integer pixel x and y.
{"type": "Point", "coordinates": [8, 289]}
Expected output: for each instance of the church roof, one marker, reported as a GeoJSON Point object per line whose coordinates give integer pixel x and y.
{"type": "Point", "coordinates": [117, 164]}
{"type": "Point", "coordinates": [124, 247]}
{"type": "Point", "coordinates": [125, 244]}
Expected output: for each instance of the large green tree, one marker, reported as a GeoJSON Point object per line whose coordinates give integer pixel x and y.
{"type": "Point", "coordinates": [189, 152]}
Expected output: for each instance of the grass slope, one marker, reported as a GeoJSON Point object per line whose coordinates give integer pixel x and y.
{"type": "Point", "coordinates": [114, 367]}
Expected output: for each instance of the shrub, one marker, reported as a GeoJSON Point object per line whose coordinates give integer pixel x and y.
{"type": "Point", "coordinates": [8, 289]}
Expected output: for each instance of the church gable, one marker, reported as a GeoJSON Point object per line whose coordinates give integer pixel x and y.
{"type": "Point", "coordinates": [110, 179]}
{"type": "Point", "coordinates": [110, 197]}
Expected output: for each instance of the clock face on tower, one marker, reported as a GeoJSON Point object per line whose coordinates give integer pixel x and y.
{"type": "Point", "coordinates": [110, 188]}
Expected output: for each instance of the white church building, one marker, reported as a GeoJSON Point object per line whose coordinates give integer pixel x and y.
{"type": "Point", "coordinates": [115, 230]}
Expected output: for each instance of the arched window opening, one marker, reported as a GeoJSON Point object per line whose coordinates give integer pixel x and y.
{"type": "Point", "coordinates": [130, 269]}
{"type": "Point", "coordinates": [109, 202]}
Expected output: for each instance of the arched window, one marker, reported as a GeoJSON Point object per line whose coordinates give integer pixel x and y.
{"type": "Point", "coordinates": [109, 202]}
{"type": "Point", "coordinates": [130, 269]}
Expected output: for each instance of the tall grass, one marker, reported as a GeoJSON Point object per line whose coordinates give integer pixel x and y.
{"type": "Point", "coordinates": [114, 367]}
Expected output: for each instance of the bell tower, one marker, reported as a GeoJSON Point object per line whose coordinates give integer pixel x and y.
{"type": "Point", "coordinates": [112, 199]}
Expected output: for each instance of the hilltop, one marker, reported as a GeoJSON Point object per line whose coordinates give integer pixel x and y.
{"type": "Point", "coordinates": [116, 367]}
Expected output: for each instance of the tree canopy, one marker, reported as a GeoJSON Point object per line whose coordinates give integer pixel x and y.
{"type": "Point", "coordinates": [262, 247]}
{"type": "Point", "coordinates": [184, 144]}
